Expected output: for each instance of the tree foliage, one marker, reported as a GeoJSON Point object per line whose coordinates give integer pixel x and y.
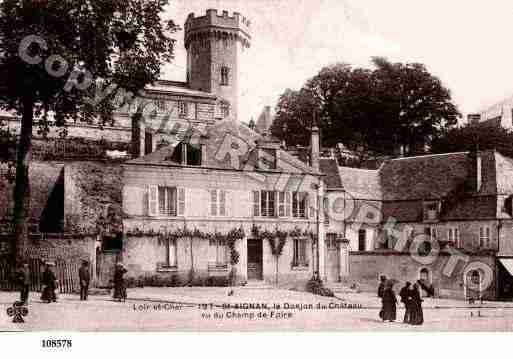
{"type": "Point", "coordinates": [482, 136]}
{"type": "Point", "coordinates": [76, 49]}
{"type": "Point", "coordinates": [380, 109]}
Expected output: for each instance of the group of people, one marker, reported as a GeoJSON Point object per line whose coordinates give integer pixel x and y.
{"type": "Point", "coordinates": [410, 297]}
{"type": "Point", "coordinates": [50, 282]}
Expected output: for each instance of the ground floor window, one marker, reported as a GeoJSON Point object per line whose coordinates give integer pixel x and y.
{"type": "Point", "coordinates": [362, 240]}
{"type": "Point", "coordinates": [171, 253]}
{"type": "Point", "coordinates": [218, 250]}
{"type": "Point", "coordinates": [299, 256]}
{"type": "Point", "coordinates": [453, 235]}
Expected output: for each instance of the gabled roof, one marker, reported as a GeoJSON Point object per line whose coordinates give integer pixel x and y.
{"type": "Point", "coordinates": [434, 176]}
{"type": "Point", "coordinates": [214, 140]}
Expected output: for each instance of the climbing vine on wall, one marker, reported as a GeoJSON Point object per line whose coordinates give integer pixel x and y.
{"type": "Point", "coordinates": [181, 233]}
{"type": "Point", "coordinates": [280, 235]}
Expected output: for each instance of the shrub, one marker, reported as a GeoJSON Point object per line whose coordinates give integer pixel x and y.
{"type": "Point", "coordinates": [217, 282]}
{"type": "Point", "coordinates": [315, 286]}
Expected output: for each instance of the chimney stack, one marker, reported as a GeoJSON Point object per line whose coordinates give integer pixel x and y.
{"type": "Point", "coordinates": [314, 142]}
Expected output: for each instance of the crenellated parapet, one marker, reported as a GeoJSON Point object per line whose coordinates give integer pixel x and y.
{"type": "Point", "coordinates": [219, 26]}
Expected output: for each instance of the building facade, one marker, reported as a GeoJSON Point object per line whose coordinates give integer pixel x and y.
{"type": "Point", "coordinates": [181, 216]}
{"type": "Point", "coordinates": [443, 219]}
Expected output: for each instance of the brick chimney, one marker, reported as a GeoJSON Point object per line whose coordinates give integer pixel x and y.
{"type": "Point", "coordinates": [314, 142]}
{"type": "Point", "coordinates": [475, 179]}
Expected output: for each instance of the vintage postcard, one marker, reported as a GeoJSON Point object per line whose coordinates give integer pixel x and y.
{"type": "Point", "coordinates": [277, 165]}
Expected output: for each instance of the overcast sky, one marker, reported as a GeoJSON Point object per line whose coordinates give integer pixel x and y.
{"type": "Point", "coordinates": [467, 44]}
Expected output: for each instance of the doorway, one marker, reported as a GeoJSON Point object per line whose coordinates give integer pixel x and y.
{"type": "Point", "coordinates": [255, 260]}
{"type": "Point", "coordinates": [333, 257]}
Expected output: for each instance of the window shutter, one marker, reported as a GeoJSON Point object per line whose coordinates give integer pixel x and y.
{"type": "Point", "coordinates": [181, 201]}
{"type": "Point", "coordinates": [222, 203]}
{"type": "Point", "coordinates": [152, 200]}
{"type": "Point", "coordinates": [256, 203]}
{"type": "Point", "coordinates": [288, 203]}
{"type": "Point", "coordinates": [309, 212]}
{"type": "Point", "coordinates": [213, 202]}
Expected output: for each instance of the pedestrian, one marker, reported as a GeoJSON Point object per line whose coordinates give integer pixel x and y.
{"type": "Point", "coordinates": [119, 282]}
{"type": "Point", "coordinates": [381, 289]}
{"type": "Point", "coordinates": [49, 284]}
{"type": "Point", "coordinates": [389, 301]}
{"type": "Point", "coordinates": [84, 277]}
{"type": "Point", "coordinates": [405, 294]}
{"type": "Point", "coordinates": [417, 315]}
{"type": "Point", "coordinates": [24, 282]}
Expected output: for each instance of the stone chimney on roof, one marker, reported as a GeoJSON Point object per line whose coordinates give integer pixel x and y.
{"type": "Point", "coordinates": [315, 148]}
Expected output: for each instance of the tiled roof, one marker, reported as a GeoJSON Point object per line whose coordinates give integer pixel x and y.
{"type": "Point", "coordinates": [361, 183]}
{"type": "Point", "coordinates": [332, 178]}
{"type": "Point", "coordinates": [215, 137]}
{"type": "Point", "coordinates": [434, 176]}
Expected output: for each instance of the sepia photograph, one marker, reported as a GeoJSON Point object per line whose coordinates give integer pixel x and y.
{"type": "Point", "coordinates": [255, 166]}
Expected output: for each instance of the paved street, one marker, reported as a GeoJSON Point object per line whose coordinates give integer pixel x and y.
{"type": "Point", "coordinates": [191, 309]}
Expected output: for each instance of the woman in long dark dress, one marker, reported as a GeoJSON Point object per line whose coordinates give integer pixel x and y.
{"type": "Point", "coordinates": [50, 284]}
{"type": "Point", "coordinates": [119, 283]}
{"type": "Point", "coordinates": [389, 302]}
{"type": "Point", "coordinates": [416, 315]}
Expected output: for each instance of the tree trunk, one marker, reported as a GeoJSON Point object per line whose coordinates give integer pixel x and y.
{"type": "Point", "coordinates": [22, 184]}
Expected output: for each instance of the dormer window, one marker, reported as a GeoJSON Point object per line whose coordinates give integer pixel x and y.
{"type": "Point", "coordinates": [187, 154]}
{"type": "Point", "coordinates": [267, 159]}
{"type": "Point", "coordinates": [225, 75]}
{"type": "Point", "coordinates": [431, 211]}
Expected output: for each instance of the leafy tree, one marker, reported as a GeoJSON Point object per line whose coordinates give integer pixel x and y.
{"type": "Point", "coordinates": [379, 109]}
{"type": "Point", "coordinates": [480, 136]}
{"type": "Point", "coordinates": [52, 57]}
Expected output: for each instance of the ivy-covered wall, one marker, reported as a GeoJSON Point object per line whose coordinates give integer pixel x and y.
{"type": "Point", "coordinates": [93, 197]}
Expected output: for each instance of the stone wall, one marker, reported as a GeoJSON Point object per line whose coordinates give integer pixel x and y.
{"type": "Point", "coordinates": [92, 196]}
{"type": "Point", "coordinates": [365, 269]}
{"type": "Point", "coordinates": [63, 247]}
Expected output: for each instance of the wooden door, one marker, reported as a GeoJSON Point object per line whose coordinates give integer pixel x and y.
{"type": "Point", "coordinates": [255, 260]}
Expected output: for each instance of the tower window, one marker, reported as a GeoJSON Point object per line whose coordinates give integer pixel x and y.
{"type": "Point", "coordinates": [225, 76]}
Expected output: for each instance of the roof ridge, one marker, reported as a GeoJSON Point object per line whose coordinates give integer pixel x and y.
{"type": "Point", "coordinates": [430, 155]}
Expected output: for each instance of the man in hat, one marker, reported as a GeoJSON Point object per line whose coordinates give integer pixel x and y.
{"type": "Point", "coordinates": [49, 281]}
{"type": "Point", "coordinates": [24, 280]}
{"type": "Point", "coordinates": [119, 282]}
{"type": "Point", "coordinates": [406, 299]}
{"type": "Point", "coordinates": [84, 277]}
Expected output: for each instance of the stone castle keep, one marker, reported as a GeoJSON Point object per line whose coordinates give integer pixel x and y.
{"type": "Point", "coordinates": [214, 45]}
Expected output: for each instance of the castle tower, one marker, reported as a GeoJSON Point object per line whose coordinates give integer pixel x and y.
{"type": "Point", "coordinates": [214, 44]}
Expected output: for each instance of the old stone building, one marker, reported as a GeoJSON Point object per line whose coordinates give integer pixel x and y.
{"type": "Point", "coordinates": [182, 213]}
{"type": "Point", "coordinates": [76, 180]}
{"type": "Point", "coordinates": [440, 219]}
